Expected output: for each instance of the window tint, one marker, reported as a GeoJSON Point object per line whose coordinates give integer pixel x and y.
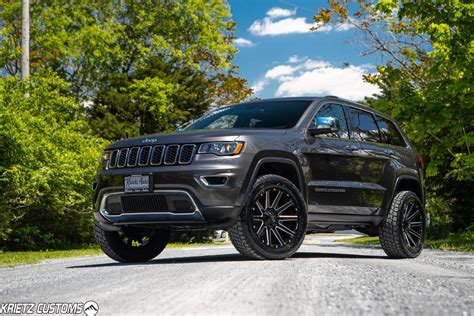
{"type": "Point", "coordinates": [336, 111]}
{"type": "Point", "coordinates": [274, 115]}
{"type": "Point", "coordinates": [362, 126]}
{"type": "Point", "coordinates": [389, 132]}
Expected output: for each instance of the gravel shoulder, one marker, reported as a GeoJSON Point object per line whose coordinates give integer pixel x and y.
{"type": "Point", "coordinates": [324, 278]}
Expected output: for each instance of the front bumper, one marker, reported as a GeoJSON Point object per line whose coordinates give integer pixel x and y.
{"type": "Point", "coordinates": [191, 201]}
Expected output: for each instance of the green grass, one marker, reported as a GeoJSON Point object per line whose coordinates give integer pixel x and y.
{"type": "Point", "coordinates": [458, 242]}
{"type": "Point", "coordinates": [15, 258]}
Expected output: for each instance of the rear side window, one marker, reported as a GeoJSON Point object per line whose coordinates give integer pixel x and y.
{"type": "Point", "coordinates": [390, 133]}
{"type": "Point", "coordinates": [362, 125]}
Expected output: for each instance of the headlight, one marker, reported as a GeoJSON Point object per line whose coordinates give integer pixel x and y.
{"type": "Point", "coordinates": [105, 156]}
{"type": "Point", "coordinates": [221, 149]}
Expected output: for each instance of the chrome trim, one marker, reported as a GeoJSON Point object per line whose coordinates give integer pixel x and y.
{"type": "Point", "coordinates": [161, 156]}
{"type": "Point", "coordinates": [128, 158]}
{"type": "Point", "coordinates": [104, 213]}
{"type": "Point", "coordinates": [166, 154]}
{"type": "Point", "coordinates": [115, 161]}
{"type": "Point", "coordinates": [147, 158]}
{"type": "Point", "coordinates": [204, 181]}
{"type": "Point", "coordinates": [192, 154]}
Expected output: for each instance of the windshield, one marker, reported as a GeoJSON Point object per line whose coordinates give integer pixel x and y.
{"type": "Point", "coordinates": [273, 115]}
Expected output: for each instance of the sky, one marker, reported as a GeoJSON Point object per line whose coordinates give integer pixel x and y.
{"type": "Point", "coordinates": [280, 57]}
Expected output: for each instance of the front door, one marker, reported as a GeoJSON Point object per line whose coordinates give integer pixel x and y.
{"type": "Point", "coordinates": [333, 184]}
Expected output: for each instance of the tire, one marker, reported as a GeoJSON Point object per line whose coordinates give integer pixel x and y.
{"type": "Point", "coordinates": [403, 232]}
{"type": "Point", "coordinates": [131, 244]}
{"type": "Point", "coordinates": [274, 229]}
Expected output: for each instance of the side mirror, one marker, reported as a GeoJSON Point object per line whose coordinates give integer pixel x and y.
{"type": "Point", "coordinates": [324, 125]}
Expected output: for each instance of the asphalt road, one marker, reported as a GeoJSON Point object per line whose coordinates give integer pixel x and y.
{"type": "Point", "coordinates": [323, 278]}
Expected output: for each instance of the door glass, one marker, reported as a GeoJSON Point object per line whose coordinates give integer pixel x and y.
{"type": "Point", "coordinates": [362, 125]}
{"type": "Point", "coordinates": [389, 132]}
{"type": "Point", "coordinates": [336, 111]}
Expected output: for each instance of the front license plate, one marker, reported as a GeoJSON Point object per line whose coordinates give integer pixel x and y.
{"type": "Point", "coordinates": [137, 183]}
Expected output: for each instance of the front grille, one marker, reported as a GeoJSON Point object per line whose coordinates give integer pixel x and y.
{"type": "Point", "coordinates": [144, 203]}
{"type": "Point", "coordinates": [155, 156]}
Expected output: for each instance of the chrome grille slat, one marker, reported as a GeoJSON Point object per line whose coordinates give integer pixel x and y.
{"type": "Point", "coordinates": [122, 158]}
{"type": "Point", "coordinates": [144, 156]}
{"type": "Point", "coordinates": [113, 158]}
{"type": "Point", "coordinates": [152, 155]}
{"type": "Point", "coordinates": [157, 155]}
{"type": "Point", "coordinates": [186, 154]}
{"type": "Point", "coordinates": [133, 156]}
{"type": "Point", "coordinates": [171, 154]}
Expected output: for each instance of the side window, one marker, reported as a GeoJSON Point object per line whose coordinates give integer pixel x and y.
{"type": "Point", "coordinates": [389, 132]}
{"type": "Point", "coordinates": [226, 121]}
{"type": "Point", "coordinates": [363, 126]}
{"type": "Point", "coordinates": [336, 111]}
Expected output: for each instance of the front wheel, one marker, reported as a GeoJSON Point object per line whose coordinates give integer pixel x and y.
{"type": "Point", "coordinates": [131, 244]}
{"type": "Point", "coordinates": [273, 223]}
{"type": "Point", "coordinates": [403, 232]}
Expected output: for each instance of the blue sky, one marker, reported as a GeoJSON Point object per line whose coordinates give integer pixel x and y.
{"type": "Point", "coordinates": [280, 57]}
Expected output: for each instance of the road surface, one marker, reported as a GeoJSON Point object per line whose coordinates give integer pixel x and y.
{"type": "Point", "coordinates": [323, 278]}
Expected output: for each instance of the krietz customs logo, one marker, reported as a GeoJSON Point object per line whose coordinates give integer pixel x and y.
{"type": "Point", "coordinates": [149, 140]}
{"type": "Point", "coordinates": [89, 308]}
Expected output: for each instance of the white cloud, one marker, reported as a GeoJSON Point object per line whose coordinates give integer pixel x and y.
{"type": "Point", "coordinates": [279, 21]}
{"type": "Point", "coordinates": [280, 12]}
{"type": "Point", "coordinates": [243, 42]}
{"type": "Point", "coordinates": [259, 86]}
{"type": "Point", "coordinates": [303, 76]}
{"type": "Point", "coordinates": [279, 71]}
{"type": "Point", "coordinates": [269, 26]}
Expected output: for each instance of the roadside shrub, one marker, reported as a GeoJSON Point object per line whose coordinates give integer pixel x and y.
{"type": "Point", "coordinates": [47, 161]}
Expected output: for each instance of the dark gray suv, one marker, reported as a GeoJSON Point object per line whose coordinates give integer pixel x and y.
{"type": "Point", "coordinates": [268, 171]}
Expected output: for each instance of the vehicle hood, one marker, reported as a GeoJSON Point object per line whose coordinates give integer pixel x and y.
{"type": "Point", "coordinates": [194, 137]}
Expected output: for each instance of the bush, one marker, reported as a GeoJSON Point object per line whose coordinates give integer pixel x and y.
{"type": "Point", "coordinates": [47, 161]}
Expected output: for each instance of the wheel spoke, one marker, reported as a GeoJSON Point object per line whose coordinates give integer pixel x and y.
{"type": "Point", "coordinates": [276, 200]}
{"type": "Point", "coordinates": [285, 206]}
{"type": "Point", "coordinates": [414, 233]}
{"type": "Point", "coordinates": [278, 236]}
{"type": "Point", "coordinates": [406, 238]}
{"type": "Point", "coordinates": [285, 229]}
{"type": "Point", "coordinates": [267, 199]}
{"type": "Point", "coordinates": [257, 217]}
{"type": "Point", "coordinates": [267, 234]}
{"type": "Point", "coordinates": [408, 209]}
{"type": "Point", "coordinates": [416, 224]}
{"type": "Point", "coordinates": [259, 206]}
{"type": "Point", "coordinates": [412, 216]}
{"type": "Point", "coordinates": [260, 229]}
{"type": "Point", "coordinates": [288, 218]}
{"type": "Point", "coordinates": [411, 240]}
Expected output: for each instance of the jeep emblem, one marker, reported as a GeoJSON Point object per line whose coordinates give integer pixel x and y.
{"type": "Point", "coordinates": [150, 140]}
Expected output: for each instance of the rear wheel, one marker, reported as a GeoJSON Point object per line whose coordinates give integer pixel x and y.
{"type": "Point", "coordinates": [403, 232]}
{"type": "Point", "coordinates": [131, 244]}
{"type": "Point", "coordinates": [273, 223]}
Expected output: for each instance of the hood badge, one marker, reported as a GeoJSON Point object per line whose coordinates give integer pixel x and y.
{"type": "Point", "coordinates": [150, 140]}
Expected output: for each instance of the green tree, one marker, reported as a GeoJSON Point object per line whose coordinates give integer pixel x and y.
{"type": "Point", "coordinates": [426, 85]}
{"type": "Point", "coordinates": [47, 161]}
{"type": "Point", "coordinates": [139, 66]}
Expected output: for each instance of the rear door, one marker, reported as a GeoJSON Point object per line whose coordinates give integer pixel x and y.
{"type": "Point", "coordinates": [376, 162]}
{"type": "Point", "coordinates": [333, 184]}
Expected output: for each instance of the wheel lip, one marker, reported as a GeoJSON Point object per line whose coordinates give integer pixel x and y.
{"type": "Point", "coordinates": [295, 240]}
{"type": "Point", "coordinates": [413, 251]}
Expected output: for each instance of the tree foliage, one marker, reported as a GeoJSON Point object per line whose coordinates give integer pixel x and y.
{"type": "Point", "coordinates": [426, 79]}
{"type": "Point", "coordinates": [140, 66]}
{"type": "Point", "coordinates": [47, 162]}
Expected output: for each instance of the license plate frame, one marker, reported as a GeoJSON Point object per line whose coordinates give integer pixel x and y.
{"type": "Point", "coordinates": [137, 183]}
